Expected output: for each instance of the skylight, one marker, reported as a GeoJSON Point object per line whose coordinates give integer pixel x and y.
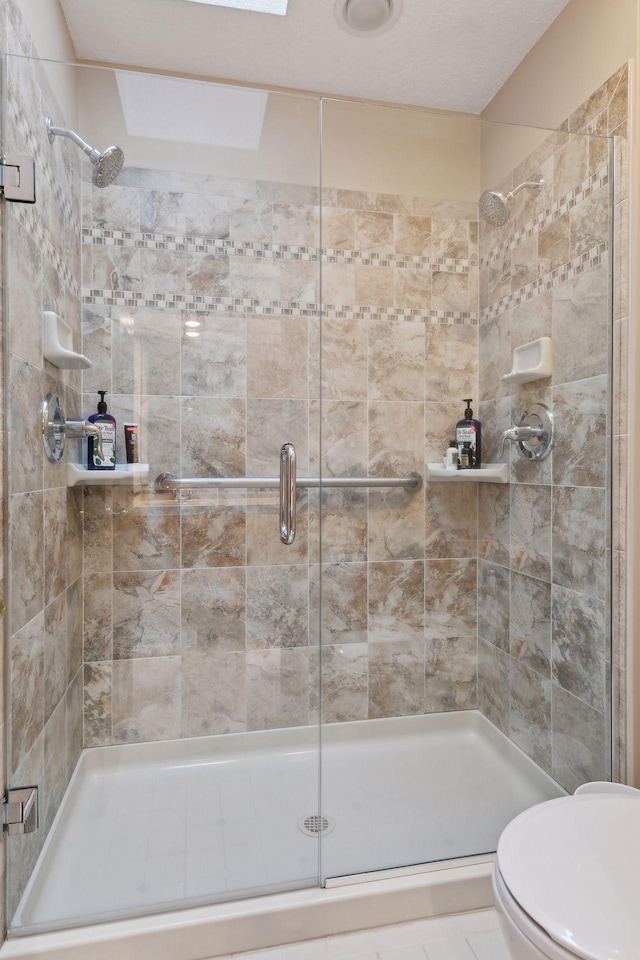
{"type": "Point", "coordinates": [181, 111]}
{"type": "Point", "coordinates": [278, 7]}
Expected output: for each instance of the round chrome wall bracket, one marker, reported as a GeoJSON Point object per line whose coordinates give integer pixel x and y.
{"type": "Point", "coordinates": [53, 421]}
{"type": "Point", "coordinates": [538, 447]}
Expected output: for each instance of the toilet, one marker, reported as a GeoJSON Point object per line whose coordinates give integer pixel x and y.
{"type": "Point", "coordinates": [566, 878]}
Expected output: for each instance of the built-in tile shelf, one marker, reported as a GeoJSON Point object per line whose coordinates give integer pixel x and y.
{"type": "Point", "coordinates": [124, 473]}
{"type": "Point", "coordinates": [489, 473]}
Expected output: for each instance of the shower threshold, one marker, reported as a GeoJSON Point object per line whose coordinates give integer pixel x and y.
{"type": "Point", "coordinates": [153, 827]}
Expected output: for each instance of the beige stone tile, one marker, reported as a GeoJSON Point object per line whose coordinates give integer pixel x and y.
{"type": "Point", "coordinates": [590, 222]}
{"type": "Point", "coordinates": [452, 291]}
{"type": "Point", "coordinates": [494, 355]}
{"type": "Point", "coordinates": [440, 428]}
{"type": "Point", "coordinates": [580, 454]}
{"type": "Point", "coordinates": [373, 231]}
{"type": "Point", "coordinates": [530, 622]}
{"type": "Point", "coordinates": [451, 674]}
{"type": "Point", "coordinates": [55, 542]}
{"type": "Point", "coordinates": [213, 437]}
{"type": "Point", "coordinates": [212, 528]}
{"type": "Point", "coordinates": [26, 557]}
{"type": "Point", "coordinates": [450, 599]}
{"type": "Point", "coordinates": [264, 547]}
{"type": "Point", "coordinates": [277, 688]}
{"type": "Point", "coordinates": [344, 526]}
{"type": "Point", "coordinates": [345, 682]}
{"type": "Point", "coordinates": [146, 699]}
{"type": "Point", "coordinates": [24, 281]}
{"type": "Point", "coordinates": [396, 678]}
{"type": "Point", "coordinates": [344, 359]}
{"type": "Point", "coordinates": [146, 535]}
{"type": "Point", "coordinates": [270, 423]}
{"type": "Point", "coordinates": [277, 607]}
{"type": "Point", "coordinates": [578, 539]}
{"type": "Point", "coordinates": [338, 284]}
{"type": "Point", "coordinates": [524, 263]}
{"type": "Point", "coordinates": [396, 359]}
{"type": "Point", "coordinates": [396, 601]}
{"type": "Point", "coordinates": [97, 704]}
{"type": "Point", "coordinates": [493, 684]}
{"type": "Point", "coordinates": [621, 288]}
{"type": "Point", "coordinates": [451, 521]}
{"type": "Point", "coordinates": [619, 102]}
{"type": "Point", "coordinates": [213, 693]}
{"type": "Point", "coordinates": [413, 288]}
{"type": "Point", "coordinates": [296, 224]}
{"type": "Point", "coordinates": [214, 363]}
{"type": "Point", "coordinates": [338, 603]}
{"type": "Point", "coordinates": [579, 736]}
{"type": "Point", "coordinates": [578, 645]}
{"type": "Point", "coordinates": [581, 315]}
{"type": "Point", "coordinates": [98, 616]}
{"type": "Point", "coordinates": [214, 610]}
{"type": "Point", "coordinates": [374, 286]}
{"type": "Point", "coordinates": [396, 525]}
{"type": "Point", "coordinates": [338, 229]}
{"type": "Point", "coordinates": [146, 351]}
{"type": "Point", "coordinates": [553, 245]}
{"type": "Point", "coordinates": [25, 457]}
{"type": "Point", "coordinates": [396, 438]}
{"type": "Point", "coordinates": [146, 614]}
{"type": "Point", "coordinates": [412, 235]}
{"type": "Point", "coordinates": [531, 530]}
{"type": "Point", "coordinates": [27, 690]}
{"type": "Point", "coordinates": [571, 163]}
{"type": "Point", "coordinates": [493, 604]}
{"type": "Point", "coordinates": [277, 351]}
{"type": "Point", "coordinates": [530, 713]}
{"type": "Point", "coordinates": [209, 275]}
{"type": "Point", "coordinates": [494, 523]}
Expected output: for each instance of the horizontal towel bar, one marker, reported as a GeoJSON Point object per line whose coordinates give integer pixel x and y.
{"type": "Point", "coordinates": [411, 482]}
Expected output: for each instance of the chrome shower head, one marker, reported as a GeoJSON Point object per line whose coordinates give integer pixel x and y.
{"type": "Point", "coordinates": [494, 206]}
{"type": "Point", "coordinates": [106, 165]}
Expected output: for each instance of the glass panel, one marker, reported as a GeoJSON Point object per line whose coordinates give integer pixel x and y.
{"type": "Point", "coordinates": [191, 283]}
{"type": "Point", "coordinates": [465, 628]}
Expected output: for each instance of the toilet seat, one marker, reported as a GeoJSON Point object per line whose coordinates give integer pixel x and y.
{"type": "Point", "coordinates": [572, 866]}
{"type": "Point", "coordinates": [527, 928]}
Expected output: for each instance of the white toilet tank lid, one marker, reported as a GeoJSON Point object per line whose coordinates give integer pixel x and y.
{"type": "Point", "coordinates": [573, 865]}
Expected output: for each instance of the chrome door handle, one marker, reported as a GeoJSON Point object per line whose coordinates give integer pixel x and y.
{"type": "Point", "coordinates": [288, 493]}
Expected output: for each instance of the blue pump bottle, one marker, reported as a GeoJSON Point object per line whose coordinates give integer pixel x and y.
{"type": "Point", "coordinates": [469, 431]}
{"type": "Point", "coordinates": [107, 425]}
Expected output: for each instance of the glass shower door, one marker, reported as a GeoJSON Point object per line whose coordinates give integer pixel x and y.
{"type": "Point", "coordinates": [455, 690]}
{"type": "Point", "coordinates": [162, 689]}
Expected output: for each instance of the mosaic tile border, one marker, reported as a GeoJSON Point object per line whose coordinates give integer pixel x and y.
{"type": "Point", "coordinates": [32, 223]}
{"type": "Point", "coordinates": [270, 308]}
{"type": "Point", "coordinates": [591, 185]}
{"type": "Point", "coordinates": [554, 278]}
{"type": "Point", "coordinates": [272, 251]}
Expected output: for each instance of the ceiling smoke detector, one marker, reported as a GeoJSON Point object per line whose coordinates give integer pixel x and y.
{"type": "Point", "coordinates": [367, 18]}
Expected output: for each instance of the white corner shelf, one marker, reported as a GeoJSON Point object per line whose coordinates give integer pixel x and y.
{"type": "Point", "coordinates": [57, 345]}
{"type": "Point", "coordinates": [488, 473]}
{"type": "Point", "coordinates": [124, 473]}
{"type": "Point", "coordinates": [531, 361]}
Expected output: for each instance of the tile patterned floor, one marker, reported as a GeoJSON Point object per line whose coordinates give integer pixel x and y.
{"type": "Point", "coordinates": [468, 936]}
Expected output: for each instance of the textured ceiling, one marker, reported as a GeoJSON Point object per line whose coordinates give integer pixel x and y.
{"type": "Point", "coordinates": [448, 54]}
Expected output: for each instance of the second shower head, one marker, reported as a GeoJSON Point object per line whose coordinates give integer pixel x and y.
{"type": "Point", "coordinates": [494, 206]}
{"type": "Point", "coordinates": [106, 164]}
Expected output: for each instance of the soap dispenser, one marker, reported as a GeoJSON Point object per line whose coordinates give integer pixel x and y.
{"type": "Point", "coordinates": [107, 425]}
{"type": "Point", "coordinates": [469, 432]}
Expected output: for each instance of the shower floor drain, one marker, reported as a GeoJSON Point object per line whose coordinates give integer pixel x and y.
{"type": "Point", "coordinates": [313, 825]}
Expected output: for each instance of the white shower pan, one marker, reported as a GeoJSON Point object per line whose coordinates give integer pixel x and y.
{"type": "Point", "coordinates": [149, 828]}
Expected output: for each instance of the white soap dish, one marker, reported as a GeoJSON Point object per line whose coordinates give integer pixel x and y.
{"type": "Point", "coordinates": [532, 361]}
{"type": "Point", "coordinates": [57, 346]}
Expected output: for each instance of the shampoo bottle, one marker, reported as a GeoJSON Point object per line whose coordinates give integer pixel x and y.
{"type": "Point", "coordinates": [107, 425]}
{"type": "Point", "coordinates": [469, 431]}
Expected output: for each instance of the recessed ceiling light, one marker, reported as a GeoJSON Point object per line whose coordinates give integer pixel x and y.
{"type": "Point", "coordinates": [278, 7]}
{"type": "Point", "coordinates": [192, 323]}
{"type": "Point", "coordinates": [367, 18]}
{"type": "Point", "coordinates": [192, 333]}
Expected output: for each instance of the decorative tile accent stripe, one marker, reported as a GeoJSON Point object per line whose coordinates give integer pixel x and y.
{"type": "Point", "coordinates": [555, 278]}
{"type": "Point", "coordinates": [276, 308]}
{"type": "Point", "coordinates": [26, 131]}
{"type": "Point", "coordinates": [593, 183]}
{"type": "Point", "coordinates": [271, 251]}
{"type": "Point", "coordinates": [32, 223]}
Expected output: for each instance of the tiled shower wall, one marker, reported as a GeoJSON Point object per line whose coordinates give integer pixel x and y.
{"type": "Point", "coordinates": [544, 553]}
{"type": "Point", "coordinates": [44, 617]}
{"type": "Point", "coordinates": [197, 620]}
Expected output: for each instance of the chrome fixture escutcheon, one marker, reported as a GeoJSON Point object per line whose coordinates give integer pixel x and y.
{"type": "Point", "coordinates": [534, 434]}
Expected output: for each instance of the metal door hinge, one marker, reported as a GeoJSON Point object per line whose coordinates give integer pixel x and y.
{"type": "Point", "coordinates": [20, 810]}
{"type": "Point", "coordinates": [18, 177]}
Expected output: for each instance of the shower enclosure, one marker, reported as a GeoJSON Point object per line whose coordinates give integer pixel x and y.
{"type": "Point", "coordinates": [280, 651]}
